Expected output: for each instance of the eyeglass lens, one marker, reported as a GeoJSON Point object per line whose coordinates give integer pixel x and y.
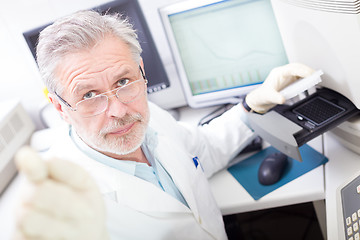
{"type": "Point", "coordinates": [98, 104]}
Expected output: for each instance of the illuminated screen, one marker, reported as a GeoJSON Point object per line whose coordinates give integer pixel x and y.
{"type": "Point", "coordinates": [227, 44]}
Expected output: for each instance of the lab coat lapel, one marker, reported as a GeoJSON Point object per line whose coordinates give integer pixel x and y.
{"type": "Point", "coordinates": [130, 191]}
{"type": "Point", "coordinates": [192, 183]}
{"type": "Point", "coordinates": [146, 197]}
{"type": "Point", "coordinates": [169, 155]}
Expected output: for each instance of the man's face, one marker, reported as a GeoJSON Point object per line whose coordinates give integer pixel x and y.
{"type": "Point", "coordinates": [120, 129]}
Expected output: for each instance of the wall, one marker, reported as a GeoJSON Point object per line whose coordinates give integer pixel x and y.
{"type": "Point", "coordinates": [19, 77]}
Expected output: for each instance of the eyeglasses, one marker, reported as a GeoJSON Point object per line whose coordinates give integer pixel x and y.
{"type": "Point", "coordinates": [98, 104]}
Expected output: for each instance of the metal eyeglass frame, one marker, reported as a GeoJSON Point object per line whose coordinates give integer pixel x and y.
{"type": "Point", "coordinates": [74, 109]}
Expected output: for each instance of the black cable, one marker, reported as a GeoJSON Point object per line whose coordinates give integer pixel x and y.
{"type": "Point", "coordinates": [214, 114]}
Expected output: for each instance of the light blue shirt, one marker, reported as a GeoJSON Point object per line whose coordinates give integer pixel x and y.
{"type": "Point", "coordinates": [155, 174]}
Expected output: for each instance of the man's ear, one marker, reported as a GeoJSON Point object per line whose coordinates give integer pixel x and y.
{"type": "Point", "coordinates": [142, 65]}
{"type": "Point", "coordinates": [53, 99]}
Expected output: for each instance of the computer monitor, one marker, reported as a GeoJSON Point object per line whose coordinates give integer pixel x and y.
{"type": "Point", "coordinates": [154, 69]}
{"type": "Point", "coordinates": [222, 49]}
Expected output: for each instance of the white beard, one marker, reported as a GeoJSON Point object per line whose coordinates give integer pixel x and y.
{"type": "Point", "coordinates": [122, 145]}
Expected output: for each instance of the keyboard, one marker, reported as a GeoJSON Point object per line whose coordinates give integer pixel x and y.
{"type": "Point", "coordinates": [350, 203]}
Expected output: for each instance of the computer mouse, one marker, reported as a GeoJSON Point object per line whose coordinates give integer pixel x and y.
{"type": "Point", "coordinates": [272, 168]}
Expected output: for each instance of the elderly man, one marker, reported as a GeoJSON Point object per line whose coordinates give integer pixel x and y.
{"type": "Point", "coordinates": [149, 170]}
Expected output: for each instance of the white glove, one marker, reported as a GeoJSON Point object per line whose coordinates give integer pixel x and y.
{"type": "Point", "coordinates": [267, 95]}
{"type": "Point", "coordinates": [62, 202]}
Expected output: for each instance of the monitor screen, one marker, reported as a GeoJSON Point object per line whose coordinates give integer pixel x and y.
{"type": "Point", "coordinates": [155, 72]}
{"type": "Point", "coordinates": [223, 49]}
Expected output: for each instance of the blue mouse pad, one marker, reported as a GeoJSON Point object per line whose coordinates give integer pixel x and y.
{"type": "Point", "coordinates": [246, 171]}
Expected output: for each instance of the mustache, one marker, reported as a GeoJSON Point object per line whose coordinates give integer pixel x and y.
{"type": "Point", "coordinates": [119, 122]}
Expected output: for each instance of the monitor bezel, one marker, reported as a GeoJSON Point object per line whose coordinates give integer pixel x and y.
{"type": "Point", "coordinates": [232, 95]}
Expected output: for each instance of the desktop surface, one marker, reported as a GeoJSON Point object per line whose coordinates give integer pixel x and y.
{"type": "Point", "coordinates": [235, 199]}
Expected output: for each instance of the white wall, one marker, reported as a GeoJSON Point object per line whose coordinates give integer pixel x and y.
{"type": "Point", "coordinates": [19, 77]}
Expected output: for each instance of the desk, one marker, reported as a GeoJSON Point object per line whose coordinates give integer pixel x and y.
{"type": "Point", "coordinates": [235, 199]}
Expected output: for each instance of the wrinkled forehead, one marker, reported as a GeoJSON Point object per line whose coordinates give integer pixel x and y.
{"type": "Point", "coordinates": [110, 56]}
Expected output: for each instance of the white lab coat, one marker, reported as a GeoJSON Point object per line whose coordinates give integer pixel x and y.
{"type": "Point", "coordinates": [143, 211]}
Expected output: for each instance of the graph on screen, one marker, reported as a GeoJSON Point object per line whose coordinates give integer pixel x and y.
{"type": "Point", "coordinates": [228, 44]}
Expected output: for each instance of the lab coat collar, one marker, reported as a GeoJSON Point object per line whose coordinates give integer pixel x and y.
{"type": "Point", "coordinates": [136, 193]}
{"type": "Point", "coordinates": [148, 190]}
{"type": "Point", "coordinates": [165, 152]}
{"type": "Point", "coordinates": [143, 190]}
{"type": "Point", "coordinates": [185, 175]}
{"type": "Point", "coordinates": [146, 197]}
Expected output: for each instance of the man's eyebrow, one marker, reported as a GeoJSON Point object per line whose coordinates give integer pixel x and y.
{"type": "Point", "coordinates": [89, 86]}
{"type": "Point", "coordinates": [121, 73]}
{"type": "Point", "coordinates": [80, 87]}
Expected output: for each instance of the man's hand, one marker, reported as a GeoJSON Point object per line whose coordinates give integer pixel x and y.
{"type": "Point", "coordinates": [267, 95]}
{"type": "Point", "coordinates": [62, 201]}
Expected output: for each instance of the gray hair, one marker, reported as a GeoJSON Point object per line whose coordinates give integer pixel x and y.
{"type": "Point", "coordinates": [76, 32]}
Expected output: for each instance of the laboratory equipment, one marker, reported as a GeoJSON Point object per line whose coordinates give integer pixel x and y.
{"type": "Point", "coordinates": [222, 49]}
{"type": "Point", "coordinates": [16, 128]}
{"type": "Point", "coordinates": [325, 35]}
{"type": "Point", "coordinates": [348, 200]}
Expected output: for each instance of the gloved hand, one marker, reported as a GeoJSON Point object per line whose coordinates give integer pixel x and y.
{"type": "Point", "coordinates": [62, 201]}
{"type": "Point", "coordinates": [267, 94]}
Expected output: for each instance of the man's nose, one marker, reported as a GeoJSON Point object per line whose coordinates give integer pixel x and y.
{"type": "Point", "coordinates": [115, 107]}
